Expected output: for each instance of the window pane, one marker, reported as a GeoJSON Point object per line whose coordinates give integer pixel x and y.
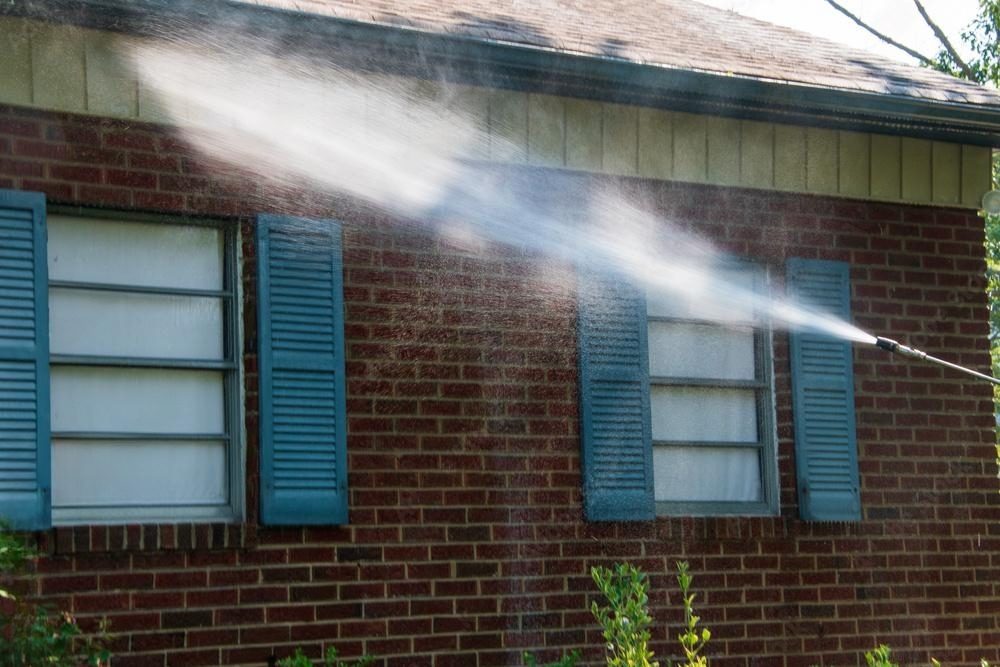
{"type": "Point", "coordinates": [134, 253]}
{"type": "Point", "coordinates": [134, 325]}
{"type": "Point", "coordinates": [703, 414]}
{"type": "Point", "coordinates": [721, 295]}
{"type": "Point", "coordinates": [137, 400]}
{"type": "Point", "coordinates": [86, 473]}
{"type": "Point", "coordinates": [701, 351]}
{"type": "Point", "coordinates": [706, 474]}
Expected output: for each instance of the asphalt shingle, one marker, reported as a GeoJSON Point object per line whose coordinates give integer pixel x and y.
{"type": "Point", "coordinates": [677, 34]}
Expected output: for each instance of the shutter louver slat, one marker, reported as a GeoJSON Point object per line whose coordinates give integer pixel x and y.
{"type": "Point", "coordinates": [24, 362]}
{"type": "Point", "coordinates": [303, 420]}
{"type": "Point", "coordinates": [823, 393]}
{"type": "Point", "coordinates": [614, 394]}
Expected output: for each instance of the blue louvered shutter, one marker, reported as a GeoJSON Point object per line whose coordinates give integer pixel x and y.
{"type": "Point", "coordinates": [303, 444]}
{"type": "Point", "coordinates": [24, 363]}
{"type": "Point", "coordinates": [826, 457]}
{"type": "Point", "coordinates": [617, 453]}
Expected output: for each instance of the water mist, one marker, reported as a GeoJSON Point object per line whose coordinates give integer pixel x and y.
{"type": "Point", "coordinates": [378, 138]}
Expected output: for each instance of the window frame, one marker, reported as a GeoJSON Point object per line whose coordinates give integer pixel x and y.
{"type": "Point", "coordinates": [231, 366]}
{"type": "Point", "coordinates": [765, 405]}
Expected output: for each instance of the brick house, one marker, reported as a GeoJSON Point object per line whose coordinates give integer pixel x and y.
{"type": "Point", "coordinates": [408, 446]}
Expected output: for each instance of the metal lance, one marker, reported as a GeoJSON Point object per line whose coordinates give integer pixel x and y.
{"type": "Point", "coordinates": [899, 348]}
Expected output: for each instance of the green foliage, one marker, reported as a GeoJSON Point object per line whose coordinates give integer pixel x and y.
{"type": "Point", "coordinates": [983, 39]}
{"type": "Point", "coordinates": [625, 619]}
{"type": "Point", "coordinates": [297, 659]}
{"type": "Point", "coordinates": [692, 640]}
{"type": "Point", "coordinates": [880, 657]}
{"type": "Point", "coordinates": [330, 659]}
{"type": "Point", "coordinates": [37, 636]}
{"type": "Point", "coordinates": [565, 661]}
{"type": "Point", "coordinates": [33, 635]}
{"type": "Point", "coordinates": [14, 558]}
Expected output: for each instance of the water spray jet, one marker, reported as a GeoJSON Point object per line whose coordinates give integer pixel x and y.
{"type": "Point", "coordinates": [417, 155]}
{"type": "Point", "coordinates": [890, 345]}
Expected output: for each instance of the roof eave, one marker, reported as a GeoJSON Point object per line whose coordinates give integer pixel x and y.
{"type": "Point", "coordinates": [473, 60]}
{"type": "Point", "coordinates": [730, 95]}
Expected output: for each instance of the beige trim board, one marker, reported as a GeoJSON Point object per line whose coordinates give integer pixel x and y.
{"type": "Point", "coordinates": [71, 69]}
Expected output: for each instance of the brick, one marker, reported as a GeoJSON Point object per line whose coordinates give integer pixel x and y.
{"type": "Point", "coordinates": [195, 658]}
{"type": "Point", "coordinates": [103, 196]}
{"type": "Point", "coordinates": [75, 584]}
{"type": "Point", "coordinates": [187, 619]}
{"type": "Point", "coordinates": [181, 579]}
{"type": "Point", "coordinates": [11, 167]}
{"type": "Point", "coordinates": [78, 173]}
{"type": "Point", "coordinates": [132, 179]}
{"type": "Point", "coordinates": [353, 554]}
{"type": "Point", "coordinates": [154, 162]}
{"type": "Point", "coordinates": [126, 139]}
{"type": "Point", "coordinates": [158, 641]}
{"type": "Point", "coordinates": [234, 616]}
{"type": "Point", "coordinates": [126, 580]}
{"type": "Point", "coordinates": [164, 600]}
{"type": "Point", "coordinates": [211, 598]}
{"type": "Point", "coordinates": [20, 127]}
{"type": "Point", "coordinates": [285, 574]}
{"type": "Point", "coordinates": [101, 602]}
{"type": "Point", "coordinates": [263, 594]}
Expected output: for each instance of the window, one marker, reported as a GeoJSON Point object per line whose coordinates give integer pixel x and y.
{"type": "Point", "coordinates": [144, 387]}
{"type": "Point", "coordinates": [691, 398]}
{"type": "Point", "coordinates": [119, 374]}
{"type": "Point", "coordinates": [711, 407]}
{"type": "Point", "coordinates": [676, 411]}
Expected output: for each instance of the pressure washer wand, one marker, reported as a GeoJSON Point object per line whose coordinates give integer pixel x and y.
{"type": "Point", "coordinates": [899, 348]}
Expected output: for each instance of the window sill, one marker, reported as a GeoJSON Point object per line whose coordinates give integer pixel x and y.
{"type": "Point", "coordinates": [713, 510]}
{"type": "Point", "coordinates": [138, 538]}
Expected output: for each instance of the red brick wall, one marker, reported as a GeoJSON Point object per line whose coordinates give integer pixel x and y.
{"type": "Point", "coordinates": [466, 543]}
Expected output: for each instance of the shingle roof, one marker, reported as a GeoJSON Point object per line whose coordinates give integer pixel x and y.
{"type": "Point", "coordinates": [677, 34]}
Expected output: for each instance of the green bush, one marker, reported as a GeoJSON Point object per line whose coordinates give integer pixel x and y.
{"type": "Point", "coordinates": [692, 640]}
{"type": "Point", "coordinates": [33, 635]}
{"type": "Point", "coordinates": [565, 661]}
{"type": "Point", "coordinates": [625, 619]}
{"type": "Point", "coordinates": [330, 659]}
{"type": "Point", "coordinates": [880, 657]}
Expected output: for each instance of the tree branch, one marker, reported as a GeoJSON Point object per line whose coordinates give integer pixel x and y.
{"type": "Point", "coordinates": [962, 65]}
{"type": "Point", "coordinates": [885, 38]}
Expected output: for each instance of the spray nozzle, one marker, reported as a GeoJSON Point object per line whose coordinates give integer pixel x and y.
{"type": "Point", "coordinates": [887, 344]}
{"type": "Point", "coordinates": [894, 346]}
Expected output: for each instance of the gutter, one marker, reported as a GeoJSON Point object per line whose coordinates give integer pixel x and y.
{"type": "Point", "coordinates": [475, 61]}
